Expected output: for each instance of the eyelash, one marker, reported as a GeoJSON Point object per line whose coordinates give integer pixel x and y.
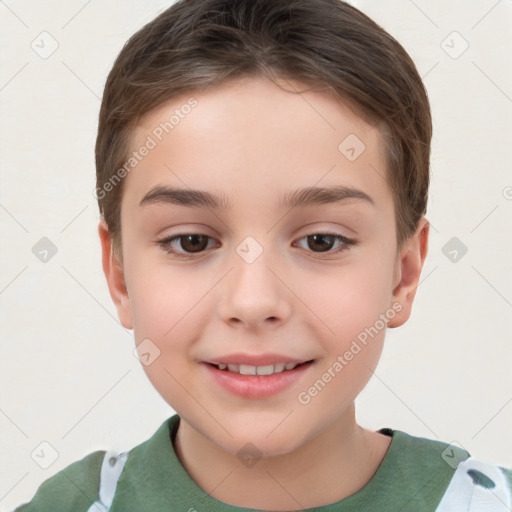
{"type": "Point", "coordinates": [165, 244]}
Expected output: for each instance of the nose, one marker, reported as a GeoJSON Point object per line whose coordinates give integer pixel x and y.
{"type": "Point", "coordinates": [254, 293]}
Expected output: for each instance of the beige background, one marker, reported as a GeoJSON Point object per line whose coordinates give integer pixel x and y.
{"type": "Point", "coordinates": [68, 376]}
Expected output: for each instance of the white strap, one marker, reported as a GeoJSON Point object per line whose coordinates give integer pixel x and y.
{"type": "Point", "coordinates": [111, 469]}
{"type": "Point", "coordinates": [476, 486]}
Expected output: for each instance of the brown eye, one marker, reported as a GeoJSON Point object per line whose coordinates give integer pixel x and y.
{"type": "Point", "coordinates": [193, 243]}
{"type": "Point", "coordinates": [322, 242]}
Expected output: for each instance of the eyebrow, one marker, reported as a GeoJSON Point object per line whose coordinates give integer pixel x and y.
{"type": "Point", "coordinates": [300, 198]}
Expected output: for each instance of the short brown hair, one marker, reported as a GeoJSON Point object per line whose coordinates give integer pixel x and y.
{"type": "Point", "coordinates": [326, 44]}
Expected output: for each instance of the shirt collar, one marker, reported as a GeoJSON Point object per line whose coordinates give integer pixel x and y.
{"type": "Point", "coordinates": [410, 475]}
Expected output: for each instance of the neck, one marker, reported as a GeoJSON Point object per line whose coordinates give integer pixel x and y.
{"type": "Point", "coordinates": [335, 464]}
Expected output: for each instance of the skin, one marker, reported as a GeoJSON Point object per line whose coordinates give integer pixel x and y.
{"type": "Point", "coordinates": [253, 141]}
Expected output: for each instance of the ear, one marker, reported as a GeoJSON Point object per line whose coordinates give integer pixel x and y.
{"type": "Point", "coordinates": [115, 277]}
{"type": "Point", "coordinates": [407, 272]}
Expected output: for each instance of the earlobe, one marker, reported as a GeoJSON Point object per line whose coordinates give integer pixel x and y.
{"type": "Point", "coordinates": [410, 263]}
{"type": "Point", "coordinates": [114, 274]}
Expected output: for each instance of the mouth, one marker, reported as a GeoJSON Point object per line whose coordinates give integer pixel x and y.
{"type": "Point", "coordinates": [258, 382]}
{"type": "Point", "coordinates": [247, 369]}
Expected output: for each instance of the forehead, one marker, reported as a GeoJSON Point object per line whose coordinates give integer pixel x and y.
{"type": "Point", "coordinates": [247, 138]}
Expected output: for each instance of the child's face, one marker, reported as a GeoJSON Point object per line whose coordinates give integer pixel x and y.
{"type": "Point", "coordinates": [301, 297]}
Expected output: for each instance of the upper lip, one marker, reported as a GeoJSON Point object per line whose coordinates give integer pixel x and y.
{"type": "Point", "coordinates": [255, 360]}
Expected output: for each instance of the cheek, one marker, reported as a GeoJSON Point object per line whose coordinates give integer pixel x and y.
{"type": "Point", "coordinates": [162, 302]}
{"type": "Point", "coordinates": [353, 305]}
{"type": "Point", "coordinates": [353, 327]}
{"type": "Point", "coordinates": [351, 299]}
{"type": "Point", "coordinates": [167, 310]}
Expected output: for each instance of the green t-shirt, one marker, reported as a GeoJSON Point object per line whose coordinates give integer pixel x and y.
{"type": "Point", "coordinates": [416, 474]}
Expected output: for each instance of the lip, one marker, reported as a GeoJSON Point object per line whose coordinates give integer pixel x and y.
{"type": "Point", "coordinates": [256, 386]}
{"type": "Point", "coordinates": [256, 359]}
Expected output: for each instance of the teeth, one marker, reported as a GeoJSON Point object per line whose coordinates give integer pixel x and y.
{"type": "Point", "coordinates": [278, 368]}
{"type": "Point", "coordinates": [247, 369]}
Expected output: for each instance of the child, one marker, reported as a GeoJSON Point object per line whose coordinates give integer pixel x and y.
{"type": "Point", "coordinates": [255, 130]}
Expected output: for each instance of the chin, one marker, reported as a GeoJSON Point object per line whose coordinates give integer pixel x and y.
{"type": "Point", "coordinates": [257, 442]}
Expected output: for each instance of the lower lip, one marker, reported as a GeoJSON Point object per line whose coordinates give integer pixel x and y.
{"type": "Point", "coordinates": [256, 386]}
